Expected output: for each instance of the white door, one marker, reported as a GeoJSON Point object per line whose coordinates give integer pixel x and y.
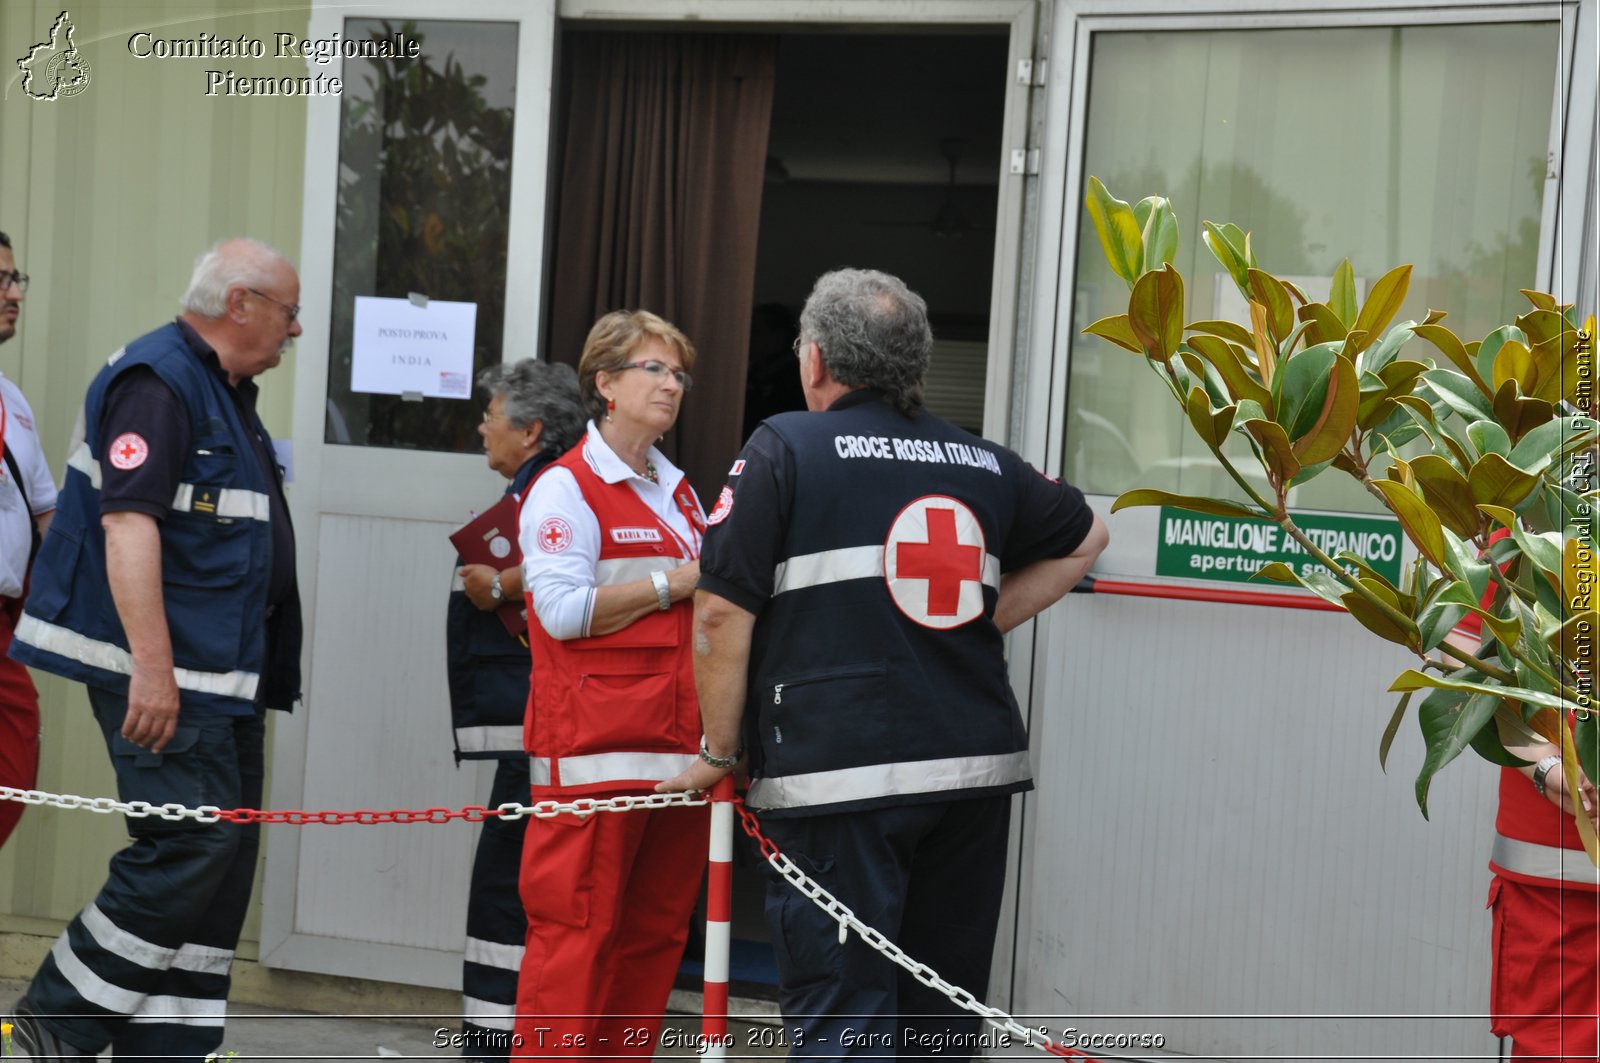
{"type": "Point", "coordinates": [426, 175]}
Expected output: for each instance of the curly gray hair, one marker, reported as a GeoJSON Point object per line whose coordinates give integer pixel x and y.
{"type": "Point", "coordinates": [872, 331]}
{"type": "Point", "coordinates": [546, 392]}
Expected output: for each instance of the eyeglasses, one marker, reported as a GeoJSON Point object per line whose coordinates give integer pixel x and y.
{"type": "Point", "coordinates": [660, 369]}
{"type": "Point", "coordinates": [489, 417]}
{"type": "Point", "coordinates": [7, 279]}
{"type": "Point", "coordinates": [800, 344]}
{"type": "Point", "coordinates": [292, 311]}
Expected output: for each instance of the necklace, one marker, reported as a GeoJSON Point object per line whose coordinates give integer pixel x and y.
{"type": "Point", "coordinates": [650, 471]}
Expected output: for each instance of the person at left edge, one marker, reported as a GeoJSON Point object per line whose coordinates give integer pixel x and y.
{"type": "Point", "coordinates": [610, 552]}
{"type": "Point", "coordinates": [533, 417]}
{"type": "Point", "coordinates": [27, 499]}
{"type": "Point", "coordinates": [166, 585]}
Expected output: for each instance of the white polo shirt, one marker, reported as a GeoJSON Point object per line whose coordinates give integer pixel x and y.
{"type": "Point", "coordinates": [563, 584]}
{"type": "Point", "coordinates": [16, 522]}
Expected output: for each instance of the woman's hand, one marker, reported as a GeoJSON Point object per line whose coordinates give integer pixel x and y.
{"type": "Point", "coordinates": [1556, 789]}
{"type": "Point", "coordinates": [681, 580]}
{"type": "Point", "coordinates": [477, 579]}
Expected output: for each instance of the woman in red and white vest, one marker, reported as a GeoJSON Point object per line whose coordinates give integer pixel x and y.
{"type": "Point", "coordinates": [611, 545]}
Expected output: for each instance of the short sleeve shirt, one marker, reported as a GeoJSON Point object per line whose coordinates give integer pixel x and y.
{"type": "Point", "coordinates": [17, 515]}
{"type": "Point", "coordinates": [745, 541]}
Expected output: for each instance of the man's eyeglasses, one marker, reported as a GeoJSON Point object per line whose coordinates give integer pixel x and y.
{"type": "Point", "coordinates": [8, 278]}
{"type": "Point", "coordinates": [292, 311]}
{"type": "Point", "coordinates": [659, 369]}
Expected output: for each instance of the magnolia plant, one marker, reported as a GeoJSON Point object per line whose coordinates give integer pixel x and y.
{"type": "Point", "coordinates": [1482, 450]}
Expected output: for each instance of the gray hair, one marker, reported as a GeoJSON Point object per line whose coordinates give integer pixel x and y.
{"type": "Point", "coordinates": [872, 331]}
{"type": "Point", "coordinates": [545, 392]}
{"type": "Point", "coordinates": [235, 263]}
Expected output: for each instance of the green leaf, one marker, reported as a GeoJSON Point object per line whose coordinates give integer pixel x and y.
{"type": "Point", "coordinates": [1233, 256]}
{"type": "Point", "coordinates": [1118, 230]}
{"type": "Point", "coordinates": [1116, 330]}
{"type": "Point", "coordinates": [1270, 293]}
{"type": "Point", "coordinates": [1276, 452]}
{"type": "Point", "coordinates": [1519, 415]}
{"type": "Point", "coordinates": [1393, 728]}
{"type": "Point", "coordinates": [1496, 482]}
{"type": "Point", "coordinates": [1411, 679]}
{"type": "Point", "coordinates": [1216, 507]}
{"type": "Point", "coordinates": [1489, 349]}
{"type": "Point", "coordinates": [1383, 302]}
{"type": "Point", "coordinates": [1586, 740]}
{"type": "Point", "coordinates": [1211, 428]}
{"type": "Point", "coordinates": [1325, 324]}
{"type": "Point", "coordinates": [1449, 720]}
{"type": "Point", "coordinates": [1535, 450]}
{"type": "Point", "coordinates": [1278, 572]}
{"type": "Point", "coordinates": [1420, 523]}
{"type": "Point", "coordinates": [1447, 491]}
{"type": "Point", "coordinates": [1438, 618]}
{"type": "Point", "coordinates": [1155, 311]}
{"type": "Point", "coordinates": [1300, 389]}
{"type": "Point", "coordinates": [1342, 297]}
{"type": "Point", "coordinates": [1228, 330]}
{"type": "Point", "coordinates": [1337, 418]}
{"type": "Point", "coordinates": [1460, 395]}
{"type": "Point", "coordinates": [1488, 744]}
{"type": "Point", "coordinates": [1160, 230]}
{"type": "Point", "coordinates": [1487, 437]}
{"type": "Point", "coordinates": [1228, 360]}
{"type": "Point", "coordinates": [1379, 357]}
{"type": "Point", "coordinates": [1450, 346]}
{"type": "Point", "coordinates": [1377, 621]}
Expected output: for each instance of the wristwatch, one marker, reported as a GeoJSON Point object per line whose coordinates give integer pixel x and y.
{"type": "Point", "coordinates": [494, 589]}
{"type": "Point", "coordinates": [720, 763]}
{"type": "Point", "coordinates": [1541, 773]}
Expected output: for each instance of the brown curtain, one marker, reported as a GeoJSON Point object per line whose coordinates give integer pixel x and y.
{"type": "Point", "coordinates": [662, 158]}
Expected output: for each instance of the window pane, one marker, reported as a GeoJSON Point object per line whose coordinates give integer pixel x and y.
{"type": "Point", "coordinates": [424, 203]}
{"type": "Point", "coordinates": [1386, 145]}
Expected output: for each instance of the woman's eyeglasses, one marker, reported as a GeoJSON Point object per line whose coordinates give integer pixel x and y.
{"type": "Point", "coordinates": [660, 369]}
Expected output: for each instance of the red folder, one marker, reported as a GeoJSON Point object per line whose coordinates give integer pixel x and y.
{"type": "Point", "coordinates": [491, 539]}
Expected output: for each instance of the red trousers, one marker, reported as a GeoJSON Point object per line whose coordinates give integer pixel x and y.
{"type": "Point", "coordinates": [609, 898]}
{"type": "Point", "coordinates": [1545, 992]}
{"type": "Point", "coordinates": [19, 724]}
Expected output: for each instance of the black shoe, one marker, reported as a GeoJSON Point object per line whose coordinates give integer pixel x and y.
{"type": "Point", "coordinates": [30, 1040]}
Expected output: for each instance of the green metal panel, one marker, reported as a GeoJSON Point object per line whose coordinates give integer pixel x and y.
{"type": "Point", "coordinates": [108, 196]}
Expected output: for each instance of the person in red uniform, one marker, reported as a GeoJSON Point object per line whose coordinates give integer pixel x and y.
{"type": "Point", "coordinates": [27, 501]}
{"type": "Point", "coordinates": [610, 538]}
{"type": "Point", "coordinates": [1544, 991]}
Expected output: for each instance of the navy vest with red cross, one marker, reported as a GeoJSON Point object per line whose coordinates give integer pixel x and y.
{"type": "Point", "coordinates": [216, 553]}
{"type": "Point", "coordinates": [619, 711]}
{"type": "Point", "coordinates": [486, 665]}
{"type": "Point", "coordinates": [877, 674]}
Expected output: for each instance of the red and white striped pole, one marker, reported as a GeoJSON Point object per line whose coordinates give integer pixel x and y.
{"type": "Point", "coordinates": [719, 922]}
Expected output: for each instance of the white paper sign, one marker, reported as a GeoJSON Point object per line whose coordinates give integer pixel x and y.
{"type": "Point", "coordinates": [400, 347]}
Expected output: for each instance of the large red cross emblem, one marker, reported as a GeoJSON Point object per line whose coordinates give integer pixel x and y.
{"type": "Point", "coordinates": [554, 535]}
{"type": "Point", "coordinates": [934, 560]}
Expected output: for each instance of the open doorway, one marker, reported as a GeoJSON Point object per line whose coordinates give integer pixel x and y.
{"type": "Point", "coordinates": [884, 152]}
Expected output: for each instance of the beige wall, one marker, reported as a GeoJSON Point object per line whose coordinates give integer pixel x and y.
{"type": "Point", "coordinates": [108, 196]}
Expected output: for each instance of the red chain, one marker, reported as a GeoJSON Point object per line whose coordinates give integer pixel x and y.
{"type": "Point", "coordinates": [472, 814]}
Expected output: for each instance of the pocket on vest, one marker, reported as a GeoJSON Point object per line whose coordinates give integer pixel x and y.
{"type": "Point", "coordinates": [626, 710]}
{"type": "Point", "coordinates": [61, 556]}
{"type": "Point", "coordinates": [203, 564]}
{"type": "Point", "coordinates": [826, 718]}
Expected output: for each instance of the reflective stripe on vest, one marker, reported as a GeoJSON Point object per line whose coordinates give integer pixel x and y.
{"type": "Point", "coordinates": [889, 780]}
{"type": "Point", "coordinates": [109, 657]}
{"type": "Point", "coordinates": [489, 739]}
{"type": "Point", "coordinates": [595, 768]}
{"type": "Point", "coordinates": [619, 570]}
{"type": "Point", "coordinates": [234, 503]}
{"type": "Point", "coordinates": [1543, 861]}
{"type": "Point", "coordinates": [852, 562]}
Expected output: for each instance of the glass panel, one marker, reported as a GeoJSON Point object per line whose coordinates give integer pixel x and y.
{"type": "Point", "coordinates": [1386, 145]}
{"type": "Point", "coordinates": [424, 206]}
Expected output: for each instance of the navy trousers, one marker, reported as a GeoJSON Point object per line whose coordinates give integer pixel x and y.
{"type": "Point", "coordinates": [145, 968]}
{"type": "Point", "coordinates": [497, 925]}
{"type": "Point", "coordinates": [930, 877]}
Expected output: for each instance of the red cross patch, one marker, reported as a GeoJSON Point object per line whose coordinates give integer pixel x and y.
{"type": "Point", "coordinates": [933, 562]}
{"type": "Point", "coordinates": [554, 535]}
{"type": "Point", "coordinates": [128, 451]}
{"type": "Point", "coordinates": [723, 507]}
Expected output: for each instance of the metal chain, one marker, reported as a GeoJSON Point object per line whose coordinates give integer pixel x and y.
{"type": "Point", "coordinates": [582, 806]}
{"type": "Point", "coordinates": [840, 913]}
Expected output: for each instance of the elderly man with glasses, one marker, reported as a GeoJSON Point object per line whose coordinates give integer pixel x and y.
{"type": "Point", "coordinates": [167, 587]}
{"type": "Point", "coordinates": [27, 499]}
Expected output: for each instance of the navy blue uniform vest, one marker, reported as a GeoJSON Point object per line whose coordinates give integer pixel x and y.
{"type": "Point", "coordinates": [488, 666]}
{"type": "Point", "coordinates": [216, 555]}
{"type": "Point", "coordinates": [865, 695]}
